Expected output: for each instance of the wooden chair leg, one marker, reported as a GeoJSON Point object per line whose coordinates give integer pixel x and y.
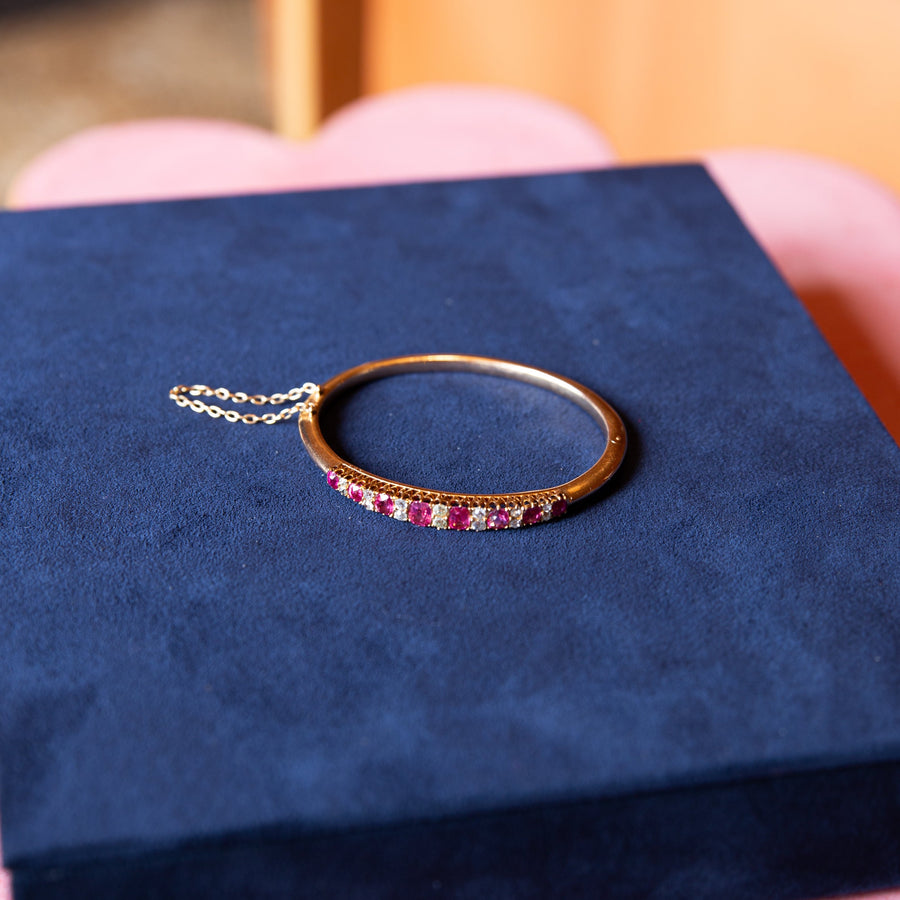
{"type": "Point", "coordinates": [293, 30]}
{"type": "Point", "coordinates": [314, 50]}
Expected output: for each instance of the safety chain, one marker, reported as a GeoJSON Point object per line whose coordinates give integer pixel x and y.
{"type": "Point", "coordinates": [306, 395]}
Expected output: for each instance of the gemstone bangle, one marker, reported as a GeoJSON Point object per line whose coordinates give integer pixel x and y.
{"type": "Point", "coordinates": [449, 510]}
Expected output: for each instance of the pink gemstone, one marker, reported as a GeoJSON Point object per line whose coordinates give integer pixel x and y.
{"type": "Point", "coordinates": [458, 518]}
{"type": "Point", "coordinates": [497, 519]}
{"type": "Point", "coordinates": [532, 515]}
{"type": "Point", "coordinates": [384, 504]}
{"type": "Point", "coordinates": [355, 492]}
{"type": "Point", "coordinates": [419, 513]}
{"type": "Point", "coordinates": [333, 479]}
{"type": "Point", "coordinates": [559, 508]}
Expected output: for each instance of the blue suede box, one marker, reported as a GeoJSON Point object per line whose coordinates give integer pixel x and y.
{"type": "Point", "coordinates": [219, 677]}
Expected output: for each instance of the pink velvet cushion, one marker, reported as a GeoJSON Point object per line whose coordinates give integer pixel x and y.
{"type": "Point", "coordinates": [5, 883]}
{"type": "Point", "coordinates": [444, 131]}
{"type": "Point", "coordinates": [434, 132]}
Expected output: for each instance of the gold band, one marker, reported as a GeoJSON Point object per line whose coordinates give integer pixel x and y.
{"type": "Point", "coordinates": [443, 509]}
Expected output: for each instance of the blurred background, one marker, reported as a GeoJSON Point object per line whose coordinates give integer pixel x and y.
{"type": "Point", "coordinates": [66, 65]}
{"type": "Point", "coordinates": [661, 79]}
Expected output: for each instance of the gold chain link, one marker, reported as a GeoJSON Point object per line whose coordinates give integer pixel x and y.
{"type": "Point", "coordinates": [301, 397]}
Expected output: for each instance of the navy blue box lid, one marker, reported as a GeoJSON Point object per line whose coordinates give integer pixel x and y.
{"type": "Point", "coordinates": [203, 644]}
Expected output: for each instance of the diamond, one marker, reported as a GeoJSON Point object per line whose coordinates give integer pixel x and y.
{"type": "Point", "coordinates": [419, 513]}
{"type": "Point", "coordinates": [400, 507]}
{"type": "Point", "coordinates": [515, 516]}
{"type": "Point", "coordinates": [478, 522]}
{"type": "Point", "coordinates": [497, 519]}
{"type": "Point", "coordinates": [559, 508]}
{"type": "Point", "coordinates": [438, 515]}
{"type": "Point", "coordinates": [532, 515]}
{"type": "Point", "coordinates": [384, 504]}
{"type": "Point", "coordinates": [355, 492]}
{"type": "Point", "coordinates": [458, 518]}
{"type": "Point", "coordinates": [368, 498]}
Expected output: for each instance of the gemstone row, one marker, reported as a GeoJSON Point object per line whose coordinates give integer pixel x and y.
{"type": "Point", "coordinates": [450, 515]}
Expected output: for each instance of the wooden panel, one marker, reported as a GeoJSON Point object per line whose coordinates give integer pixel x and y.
{"type": "Point", "coordinates": [666, 79]}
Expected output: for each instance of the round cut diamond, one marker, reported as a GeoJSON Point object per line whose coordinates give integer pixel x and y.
{"type": "Point", "coordinates": [532, 515]}
{"type": "Point", "coordinates": [419, 512]}
{"type": "Point", "coordinates": [497, 519]}
{"type": "Point", "coordinates": [458, 518]}
{"type": "Point", "coordinates": [355, 492]}
{"type": "Point", "coordinates": [384, 504]}
{"type": "Point", "coordinates": [400, 507]}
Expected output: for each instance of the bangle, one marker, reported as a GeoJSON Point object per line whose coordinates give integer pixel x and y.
{"type": "Point", "coordinates": [457, 511]}
{"type": "Point", "coordinates": [438, 509]}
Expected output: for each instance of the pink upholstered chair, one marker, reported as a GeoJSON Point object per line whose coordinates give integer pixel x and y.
{"type": "Point", "coordinates": [834, 233]}
{"type": "Point", "coordinates": [421, 133]}
{"type": "Point", "coordinates": [5, 882]}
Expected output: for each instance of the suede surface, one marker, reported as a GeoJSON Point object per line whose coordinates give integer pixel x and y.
{"type": "Point", "coordinates": [780, 838]}
{"type": "Point", "coordinates": [201, 639]}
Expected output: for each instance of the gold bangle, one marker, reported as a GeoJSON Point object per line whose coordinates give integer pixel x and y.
{"type": "Point", "coordinates": [456, 511]}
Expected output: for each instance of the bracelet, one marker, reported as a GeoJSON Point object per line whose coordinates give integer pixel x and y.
{"type": "Point", "coordinates": [456, 511]}
{"type": "Point", "coordinates": [438, 509]}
